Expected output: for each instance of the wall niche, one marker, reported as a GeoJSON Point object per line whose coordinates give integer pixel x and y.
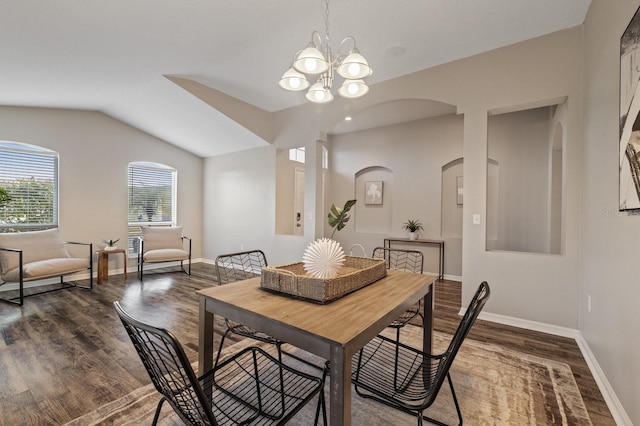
{"type": "Point", "coordinates": [452, 198]}
{"type": "Point", "coordinates": [374, 191]}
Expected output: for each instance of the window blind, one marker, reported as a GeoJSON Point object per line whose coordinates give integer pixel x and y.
{"type": "Point", "coordinates": [152, 198]}
{"type": "Point", "coordinates": [29, 175]}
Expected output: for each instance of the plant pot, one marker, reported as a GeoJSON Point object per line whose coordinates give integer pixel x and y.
{"type": "Point", "coordinates": [413, 236]}
{"type": "Point", "coordinates": [110, 248]}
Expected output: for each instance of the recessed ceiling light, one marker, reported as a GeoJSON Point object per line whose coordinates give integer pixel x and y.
{"type": "Point", "coordinates": [347, 118]}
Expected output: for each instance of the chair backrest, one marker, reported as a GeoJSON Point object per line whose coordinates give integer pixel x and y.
{"type": "Point", "coordinates": [400, 259]}
{"type": "Point", "coordinates": [469, 318]}
{"type": "Point", "coordinates": [169, 369]}
{"type": "Point", "coordinates": [161, 237]}
{"type": "Point", "coordinates": [36, 245]}
{"type": "Point", "coordinates": [239, 266]}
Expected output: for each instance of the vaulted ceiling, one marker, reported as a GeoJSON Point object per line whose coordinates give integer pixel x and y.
{"type": "Point", "coordinates": [124, 57]}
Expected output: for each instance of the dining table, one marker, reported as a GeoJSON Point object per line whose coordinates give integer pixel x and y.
{"type": "Point", "coordinates": [334, 331]}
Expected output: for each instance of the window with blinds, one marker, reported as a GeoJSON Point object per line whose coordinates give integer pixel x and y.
{"type": "Point", "coordinates": [28, 188]}
{"type": "Point", "coordinates": [152, 198]}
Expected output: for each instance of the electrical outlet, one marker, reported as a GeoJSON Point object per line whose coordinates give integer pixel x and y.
{"type": "Point", "coordinates": [589, 302]}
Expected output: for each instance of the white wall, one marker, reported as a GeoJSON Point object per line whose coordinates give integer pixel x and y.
{"type": "Point", "coordinates": [414, 153]}
{"type": "Point", "coordinates": [533, 287]}
{"type": "Point", "coordinates": [285, 188]}
{"type": "Point", "coordinates": [610, 239]}
{"type": "Point", "coordinates": [94, 153]}
{"type": "Point", "coordinates": [239, 208]}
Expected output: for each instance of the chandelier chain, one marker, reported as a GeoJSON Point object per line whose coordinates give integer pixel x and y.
{"type": "Point", "coordinates": [325, 12]}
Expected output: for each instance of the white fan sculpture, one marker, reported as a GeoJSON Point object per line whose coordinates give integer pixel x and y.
{"type": "Point", "coordinates": [323, 258]}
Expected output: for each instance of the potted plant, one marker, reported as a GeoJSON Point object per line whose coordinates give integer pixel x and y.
{"type": "Point", "coordinates": [111, 244]}
{"type": "Point", "coordinates": [413, 226]}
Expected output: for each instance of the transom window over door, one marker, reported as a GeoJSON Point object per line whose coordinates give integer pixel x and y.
{"type": "Point", "coordinates": [152, 198]}
{"type": "Point", "coordinates": [28, 187]}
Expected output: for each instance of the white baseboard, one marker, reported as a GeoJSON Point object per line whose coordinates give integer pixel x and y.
{"type": "Point", "coordinates": [615, 406]}
{"type": "Point", "coordinates": [528, 325]}
{"type": "Point", "coordinates": [613, 403]}
{"type": "Point", "coordinates": [452, 278]}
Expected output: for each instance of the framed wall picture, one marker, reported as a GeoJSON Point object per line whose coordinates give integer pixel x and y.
{"type": "Point", "coordinates": [629, 146]}
{"type": "Point", "coordinates": [373, 192]}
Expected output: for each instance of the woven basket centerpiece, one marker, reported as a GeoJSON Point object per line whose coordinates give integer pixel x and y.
{"type": "Point", "coordinates": [293, 280]}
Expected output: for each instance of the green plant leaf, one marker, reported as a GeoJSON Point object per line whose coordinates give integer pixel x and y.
{"type": "Point", "coordinates": [338, 217]}
{"type": "Point", "coordinates": [412, 225]}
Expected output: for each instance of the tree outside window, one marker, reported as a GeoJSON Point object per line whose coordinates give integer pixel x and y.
{"type": "Point", "coordinates": [28, 188]}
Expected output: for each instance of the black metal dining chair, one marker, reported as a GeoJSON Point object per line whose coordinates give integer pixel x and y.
{"type": "Point", "coordinates": [407, 261]}
{"type": "Point", "coordinates": [239, 266]}
{"type": "Point", "coordinates": [409, 379]}
{"type": "Point", "coordinates": [248, 387]}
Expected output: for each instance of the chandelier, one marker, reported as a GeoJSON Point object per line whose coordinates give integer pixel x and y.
{"type": "Point", "coordinates": [317, 59]}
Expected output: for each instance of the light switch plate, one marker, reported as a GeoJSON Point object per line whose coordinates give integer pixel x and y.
{"type": "Point", "coordinates": [476, 219]}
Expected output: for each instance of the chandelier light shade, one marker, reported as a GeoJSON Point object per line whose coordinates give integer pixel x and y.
{"type": "Point", "coordinates": [353, 89]}
{"type": "Point", "coordinates": [311, 61]}
{"type": "Point", "coordinates": [317, 60]}
{"type": "Point", "coordinates": [354, 66]}
{"type": "Point", "coordinates": [294, 81]}
{"type": "Point", "coordinates": [319, 94]}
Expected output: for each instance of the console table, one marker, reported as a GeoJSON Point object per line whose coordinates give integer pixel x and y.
{"type": "Point", "coordinates": [439, 243]}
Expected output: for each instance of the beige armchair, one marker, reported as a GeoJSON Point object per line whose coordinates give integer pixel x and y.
{"type": "Point", "coordinates": [163, 244]}
{"type": "Point", "coordinates": [37, 255]}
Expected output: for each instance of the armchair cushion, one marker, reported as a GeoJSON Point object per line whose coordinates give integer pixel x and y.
{"type": "Point", "coordinates": [46, 268]}
{"type": "Point", "coordinates": [35, 246]}
{"type": "Point", "coordinates": [156, 237]}
{"type": "Point", "coordinates": [165, 255]}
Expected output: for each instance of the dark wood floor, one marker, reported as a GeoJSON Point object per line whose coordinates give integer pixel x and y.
{"type": "Point", "coordinates": [63, 354]}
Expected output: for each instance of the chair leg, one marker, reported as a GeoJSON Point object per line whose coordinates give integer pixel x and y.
{"type": "Point", "coordinates": [224, 336]}
{"type": "Point", "coordinates": [158, 409]}
{"type": "Point", "coordinates": [455, 399]}
{"type": "Point", "coordinates": [321, 401]}
{"type": "Point", "coordinates": [188, 272]}
{"type": "Point", "coordinates": [455, 402]}
{"type": "Point", "coordinates": [395, 363]}
{"type": "Point", "coordinates": [282, 393]}
{"type": "Point", "coordinates": [21, 289]}
{"type": "Point", "coordinates": [141, 268]}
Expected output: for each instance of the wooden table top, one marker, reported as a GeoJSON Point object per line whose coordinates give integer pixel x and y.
{"type": "Point", "coordinates": [341, 321]}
